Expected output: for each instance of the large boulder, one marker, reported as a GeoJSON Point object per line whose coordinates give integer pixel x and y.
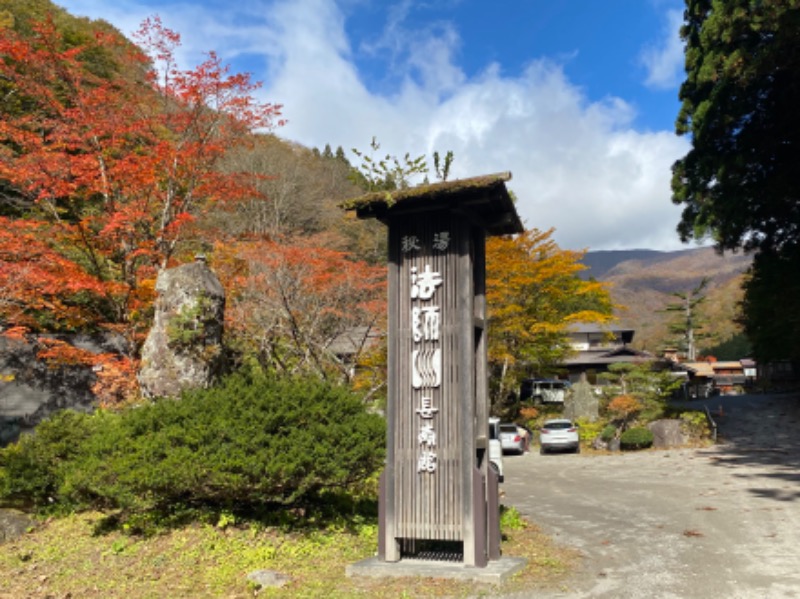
{"type": "Point", "coordinates": [184, 348]}
{"type": "Point", "coordinates": [667, 433]}
{"type": "Point", "coordinates": [582, 403]}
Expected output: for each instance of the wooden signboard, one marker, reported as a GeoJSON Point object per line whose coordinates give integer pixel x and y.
{"type": "Point", "coordinates": [437, 489]}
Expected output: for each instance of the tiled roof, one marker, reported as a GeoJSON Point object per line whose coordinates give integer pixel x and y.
{"type": "Point", "coordinates": [699, 368]}
{"type": "Point", "coordinates": [727, 365]}
{"type": "Point", "coordinates": [622, 354]}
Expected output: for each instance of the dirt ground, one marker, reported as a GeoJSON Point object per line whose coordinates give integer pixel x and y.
{"type": "Point", "coordinates": [717, 522]}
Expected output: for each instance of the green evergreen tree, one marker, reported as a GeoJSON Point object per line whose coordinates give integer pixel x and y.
{"type": "Point", "coordinates": [770, 313]}
{"type": "Point", "coordinates": [738, 184]}
{"type": "Point", "coordinates": [688, 327]}
{"type": "Point", "coordinates": [733, 348]}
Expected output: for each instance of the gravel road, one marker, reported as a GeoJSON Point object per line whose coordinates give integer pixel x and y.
{"type": "Point", "coordinates": [719, 522]}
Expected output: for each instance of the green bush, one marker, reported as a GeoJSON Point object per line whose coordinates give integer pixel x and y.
{"type": "Point", "coordinates": [636, 438]}
{"type": "Point", "coordinates": [695, 423]}
{"type": "Point", "coordinates": [587, 430]}
{"type": "Point", "coordinates": [608, 433]}
{"type": "Point", "coordinates": [511, 519]}
{"type": "Point", "coordinates": [249, 443]}
{"type": "Point", "coordinates": [33, 470]}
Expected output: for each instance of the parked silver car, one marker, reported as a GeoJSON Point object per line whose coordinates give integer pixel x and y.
{"type": "Point", "coordinates": [511, 439]}
{"type": "Point", "coordinates": [560, 434]}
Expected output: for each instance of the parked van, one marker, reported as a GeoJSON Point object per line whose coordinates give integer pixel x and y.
{"type": "Point", "coordinates": [544, 390]}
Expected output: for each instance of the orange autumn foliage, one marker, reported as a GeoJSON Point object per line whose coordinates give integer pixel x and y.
{"type": "Point", "coordinates": [290, 302]}
{"type": "Point", "coordinates": [115, 384]}
{"type": "Point", "coordinates": [35, 278]}
{"type": "Point", "coordinates": [624, 407]}
{"type": "Point", "coordinates": [115, 165]}
{"type": "Point", "coordinates": [115, 375]}
{"type": "Point", "coordinates": [534, 293]}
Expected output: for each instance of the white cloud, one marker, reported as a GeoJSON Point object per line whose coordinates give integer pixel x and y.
{"type": "Point", "coordinates": [578, 165]}
{"type": "Point", "coordinates": [425, 55]}
{"type": "Point", "coordinates": [664, 61]}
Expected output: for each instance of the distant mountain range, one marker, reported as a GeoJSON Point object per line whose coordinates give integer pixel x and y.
{"type": "Point", "coordinates": [643, 283]}
{"type": "Point", "coordinates": [600, 262]}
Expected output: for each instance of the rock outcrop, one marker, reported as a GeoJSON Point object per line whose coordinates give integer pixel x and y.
{"type": "Point", "coordinates": [31, 389]}
{"type": "Point", "coordinates": [184, 348]}
{"type": "Point", "coordinates": [582, 403]}
{"type": "Point", "coordinates": [667, 433]}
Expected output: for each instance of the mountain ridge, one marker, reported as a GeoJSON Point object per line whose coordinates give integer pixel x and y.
{"type": "Point", "coordinates": [644, 282]}
{"type": "Point", "coordinates": [598, 262]}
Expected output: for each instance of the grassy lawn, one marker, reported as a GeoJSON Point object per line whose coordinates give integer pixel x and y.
{"type": "Point", "coordinates": [67, 557]}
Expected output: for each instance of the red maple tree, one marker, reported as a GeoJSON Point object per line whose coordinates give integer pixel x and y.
{"type": "Point", "coordinates": [297, 305]}
{"type": "Point", "coordinates": [39, 287]}
{"type": "Point", "coordinates": [115, 162]}
{"type": "Point", "coordinates": [113, 150]}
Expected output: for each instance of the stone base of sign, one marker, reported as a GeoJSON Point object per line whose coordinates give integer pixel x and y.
{"type": "Point", "coordinates": [497, 571]}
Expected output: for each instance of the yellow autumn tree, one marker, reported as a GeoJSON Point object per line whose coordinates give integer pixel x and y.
{"type": "Point", "coordinates": [533, 294]}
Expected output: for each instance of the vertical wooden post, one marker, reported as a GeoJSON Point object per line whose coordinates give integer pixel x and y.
{"type": "Point", "coordinates": [481, 410]}
{"type": "Point", "coordinates": [391, 543]}
{"type": "Point", "coordinates": [466, 381]}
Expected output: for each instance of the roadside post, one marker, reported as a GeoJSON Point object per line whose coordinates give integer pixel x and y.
{"type": "Point", "coordinates": [439, 497]}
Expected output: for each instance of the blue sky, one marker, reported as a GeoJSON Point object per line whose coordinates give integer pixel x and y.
{"type": "Point", "coordinates": [577, 98]}
{"type": "Point", "coordinates": [608, 49]}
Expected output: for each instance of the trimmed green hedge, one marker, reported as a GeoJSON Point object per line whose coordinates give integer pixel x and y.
{"type": "Point", "coordinates": [253, 441]}
{"type": "Point", "coordinates": [636, 438]}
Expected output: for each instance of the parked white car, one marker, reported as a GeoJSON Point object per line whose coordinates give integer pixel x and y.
{"type": "Point", "coordinates": [511, 439]}
{"type": "Point", "coordinates": [495, 447]}
{"type": "Point", "coordinates": [559, 434]}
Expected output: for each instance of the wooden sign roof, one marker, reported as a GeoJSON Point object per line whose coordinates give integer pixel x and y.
{"type": "Point", "coordinates": [484, 200]}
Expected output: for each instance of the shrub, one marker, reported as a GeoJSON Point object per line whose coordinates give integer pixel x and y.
{"type": "Point", "coordinates": [253, 441]}
{"type": "Point", "coordinates": [695, 423]}
{"type": "Point", "coordinates": [587, 430]}
{"type": "Point", "coordinates": [528, 413]}
{"type": "Point", "coordinates": [33, 470]}
{"type": "Point", "coordinates": [608, 433]}
{"type": "Point", "coordinates": [636, 438]}
{"type": "Point", "coordinates": [511, 519]}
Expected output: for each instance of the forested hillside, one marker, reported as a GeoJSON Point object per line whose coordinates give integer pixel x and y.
{"type": "Point", "coordinates": [644, 282]}
{"type": "Point", "coordinates": [116, 163]}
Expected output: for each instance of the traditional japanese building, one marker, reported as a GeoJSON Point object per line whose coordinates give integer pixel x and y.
{"type": "Point", "coordinates": [596, 347]}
